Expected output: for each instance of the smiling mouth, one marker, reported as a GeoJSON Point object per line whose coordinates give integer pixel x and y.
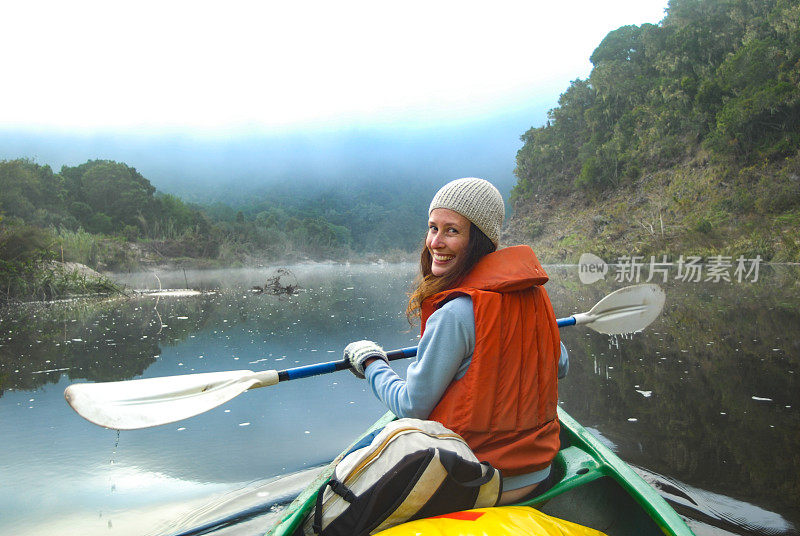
{"type": "Point", "coordinates": [442, 258]}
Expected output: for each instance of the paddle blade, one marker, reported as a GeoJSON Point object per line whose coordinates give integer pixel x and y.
{"type": "Point", "coordinates": [627, 310]}
{"type": "Point", "coordinates": [133, 404]}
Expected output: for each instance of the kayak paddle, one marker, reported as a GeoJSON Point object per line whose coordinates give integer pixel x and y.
{"type": "Point", "coordinates": [133, 404]}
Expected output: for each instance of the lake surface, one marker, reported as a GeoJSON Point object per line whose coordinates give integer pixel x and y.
{"type": "Point", "coordinates": [706, 400]}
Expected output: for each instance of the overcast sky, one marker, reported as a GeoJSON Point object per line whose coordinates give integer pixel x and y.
{"type": "Point", "coordinates": [257, 66]}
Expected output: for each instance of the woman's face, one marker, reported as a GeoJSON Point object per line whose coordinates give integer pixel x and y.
{"type": "Point", "coordinates": [448, 236]}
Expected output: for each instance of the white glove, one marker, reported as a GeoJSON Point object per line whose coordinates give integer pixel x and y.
{"type": "Point", "coordinates": [358, 352]}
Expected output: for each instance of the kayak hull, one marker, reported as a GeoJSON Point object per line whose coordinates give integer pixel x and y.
{"type": "Point", "coordinates": [599, 490]}
{"type": "Point", "coordinates": [595, 488]}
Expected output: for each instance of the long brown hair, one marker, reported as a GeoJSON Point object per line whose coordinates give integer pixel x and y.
{"type": "Point", "coordinates": [426, 284]}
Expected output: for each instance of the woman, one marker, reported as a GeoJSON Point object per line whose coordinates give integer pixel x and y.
{"type": "Point", "coordinates": [489, 356]}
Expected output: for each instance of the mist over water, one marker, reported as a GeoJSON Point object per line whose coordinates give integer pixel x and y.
{"type": "Point", "coordinates": [706, 397]}
{"type": "Point", "coordinates": [233, 167]}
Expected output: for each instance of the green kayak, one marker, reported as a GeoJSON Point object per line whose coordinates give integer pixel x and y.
{"type": "Point", "coordinates": [596, 489]}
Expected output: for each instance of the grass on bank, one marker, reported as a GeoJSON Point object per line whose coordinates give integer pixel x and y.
{"type": "Point", "coordinates": [698, 208]}
{"type": "Point", "coordinates": [34, 264]}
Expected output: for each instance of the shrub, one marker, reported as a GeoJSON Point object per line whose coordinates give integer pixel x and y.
{"type": "Point", "coordinates": [703, 226]}
{"type": "Point", "coordinates": [534, 228]}
{"type": "Point", "coordinates": [78, 246]}
{"type": "Point", "coordinates": [22, 243]}
{"type": "Point", "coordinates": [130, 233]}
{"type": "Point", "coordinates": [778, 194]}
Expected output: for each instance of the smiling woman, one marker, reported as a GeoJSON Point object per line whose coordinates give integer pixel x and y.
{"type": "Point", "coordinates": [447, 239]}
{"type": "Point", "coordinates": [464, 224]}
{"type": "Point", "coordinates": [488, 330]}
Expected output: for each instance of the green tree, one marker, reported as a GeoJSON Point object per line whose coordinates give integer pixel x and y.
{"type": "Point", "coordinates": [26, 186]}
{"type": "Point", "coordinates": [721, 73]}
{"type": "Point", "coordinates": [112, 189]}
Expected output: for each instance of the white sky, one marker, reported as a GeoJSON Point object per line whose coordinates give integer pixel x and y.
{"type": "Point", "coordinates": [164, 64]}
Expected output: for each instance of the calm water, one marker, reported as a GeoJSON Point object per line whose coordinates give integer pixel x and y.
{"type": "Point", "coordinates": [706, 401]}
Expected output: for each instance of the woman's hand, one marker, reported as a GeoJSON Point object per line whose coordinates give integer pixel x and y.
{"type": "Point", "coordinates": [362, 353]}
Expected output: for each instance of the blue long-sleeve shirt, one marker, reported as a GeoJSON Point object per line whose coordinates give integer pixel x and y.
{"type": "Point", "coordinates": [443, 355]}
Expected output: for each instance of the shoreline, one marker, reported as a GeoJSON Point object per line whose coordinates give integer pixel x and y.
{"type": "Point", "coordinates": [110, 283]}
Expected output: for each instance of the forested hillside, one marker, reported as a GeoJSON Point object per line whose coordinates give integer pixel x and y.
{"type": "Point", "coordinates": [683, 139]}
{"type": "Point", "coordinates": [99, 196]}
{"type": "Point", "coordinates": [108, 216]}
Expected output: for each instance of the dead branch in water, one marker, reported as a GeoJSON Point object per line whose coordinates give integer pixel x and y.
{"type": "Point", "coordinates": [275, 287]}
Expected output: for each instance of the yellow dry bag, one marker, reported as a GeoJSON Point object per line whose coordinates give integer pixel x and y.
{"type": "Point", "coordinates": [498, 521]}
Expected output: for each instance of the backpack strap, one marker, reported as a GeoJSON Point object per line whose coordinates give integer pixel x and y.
{"type": "Point", "coordinates": [449, 460]}
{"type": "Point", "coordinates": [339, 489]}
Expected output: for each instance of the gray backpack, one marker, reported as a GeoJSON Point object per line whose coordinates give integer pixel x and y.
{"type": "Point", "coordinates": [411, 469]}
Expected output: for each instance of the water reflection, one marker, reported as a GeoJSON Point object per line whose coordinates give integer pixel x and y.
{"type": "Point", "coordinates": [707, 395]}
{"type": "Point", "coordinates": [59, 469]}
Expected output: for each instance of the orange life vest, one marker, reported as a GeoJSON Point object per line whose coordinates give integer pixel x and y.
{"type": "Point", "coordinates": [505, 405]}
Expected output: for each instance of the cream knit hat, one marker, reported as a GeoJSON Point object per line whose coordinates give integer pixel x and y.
{"type": "Point", "coordinates": [475, 199]}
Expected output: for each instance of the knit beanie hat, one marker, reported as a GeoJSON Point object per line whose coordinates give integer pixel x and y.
{"type": "Point", "coordinates": [475, 199]}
